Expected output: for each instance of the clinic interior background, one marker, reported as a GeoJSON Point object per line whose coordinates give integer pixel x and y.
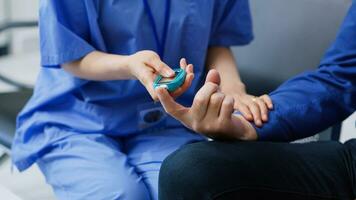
{"type": "Point", "coordinates": [290, 37]}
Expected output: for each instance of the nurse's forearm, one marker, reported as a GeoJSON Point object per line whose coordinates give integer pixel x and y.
{"type": "Point", "coordinates": [100, 66]}
{"type": "Point", "coordinates": [222, 59]}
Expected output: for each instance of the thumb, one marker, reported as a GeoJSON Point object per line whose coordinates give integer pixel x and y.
{"type": "Point", "coordinates": [161, 67]}
{"type": "Point", "coordinates": [213, 76]}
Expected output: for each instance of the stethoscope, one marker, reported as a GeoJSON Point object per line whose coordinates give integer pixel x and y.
{"type": "Point", "coordinates": [160, 43]}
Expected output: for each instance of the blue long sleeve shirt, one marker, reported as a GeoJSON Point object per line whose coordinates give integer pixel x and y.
{"type": "Point", "coordinates": [315, 100]}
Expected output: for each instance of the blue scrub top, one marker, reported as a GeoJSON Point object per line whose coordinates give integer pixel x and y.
{"type": "Point", "coordinates": [63, 105]}
{"type": "Point", "coordinates": [314, 101]}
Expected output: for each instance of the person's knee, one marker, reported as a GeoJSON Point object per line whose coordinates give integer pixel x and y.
{"type": "Point", "coordinates": [115, 188]}
{"type": "Point", "coordinates": [104, 187]}
{"type": "Point", "coordinates": [102, 184]}
{"type": "Point", "coordinates": [185, 170]}
{"type": "Point", "coordinates": [197, 167]}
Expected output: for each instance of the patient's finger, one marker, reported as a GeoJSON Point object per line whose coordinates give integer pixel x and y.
{"type": "Point", "coordinates": [213, 76]}
{"type": "Point", "coordinates": [227, 108]}
{"type": "Point", "coordinates": [214, 106]}
{"type": "Point", "coordinates": [170, 106]}
{"type": "Point", "coordinates": [201, 100]}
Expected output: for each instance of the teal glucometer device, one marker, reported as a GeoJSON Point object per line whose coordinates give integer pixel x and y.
{"type": "Point", "coordinates": [171, 84]}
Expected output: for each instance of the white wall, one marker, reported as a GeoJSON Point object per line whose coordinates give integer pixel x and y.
{"type": "Point", "coordinates": [2, 21]}
{"type": "Point", "coordinates": [24, 9]}
{"type": "Point", "coordinates": [2, 14]}
{"type": "Point", "coordinates": [24, 40]}
{"type": "Point", "coordinates": [291, 36]}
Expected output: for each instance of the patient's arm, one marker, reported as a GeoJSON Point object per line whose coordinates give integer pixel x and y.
{"type": "Point", "coordinates": [314, 101]}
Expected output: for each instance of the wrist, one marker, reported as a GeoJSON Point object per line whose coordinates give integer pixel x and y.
{"type": "Point", "coordinates": [236, 88]}
{"type": "Point", "coordinates": [122, 66]}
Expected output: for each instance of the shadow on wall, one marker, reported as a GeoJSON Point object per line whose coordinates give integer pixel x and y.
{"type": "Point", "coordinates": [290, 37]}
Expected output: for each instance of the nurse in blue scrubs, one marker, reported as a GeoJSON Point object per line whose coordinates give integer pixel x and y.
{"type": "Point", "coordinates": [91, 124]}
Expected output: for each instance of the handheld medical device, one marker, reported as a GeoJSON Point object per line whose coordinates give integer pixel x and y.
{"type": "Point", "coordinates": [171, 84]}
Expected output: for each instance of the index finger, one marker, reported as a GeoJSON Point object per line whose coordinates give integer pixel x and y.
{"type": "Point", "coordinates": [171, 106]}
{"type": "Point", "coordinates": [147, 82]}
{"type": "Point", "coordinates": [202, 98]}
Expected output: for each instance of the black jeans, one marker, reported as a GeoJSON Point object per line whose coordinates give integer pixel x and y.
{"type": "Point", "coordinates": [260, 170]}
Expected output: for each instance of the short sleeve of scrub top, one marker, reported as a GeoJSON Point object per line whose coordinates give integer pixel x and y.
{"type": "Point", "coordinates": [66, 34]}
{"type": "Point", "coordinates": [232, 23]}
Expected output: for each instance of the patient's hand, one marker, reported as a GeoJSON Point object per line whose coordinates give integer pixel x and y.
{"type": "Point", "coordinates": [211, 112]}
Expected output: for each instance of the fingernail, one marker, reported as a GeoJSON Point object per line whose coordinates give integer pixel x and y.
{"type": "Point", "coordinates": [171, 73]}
{"type": "Point", "coordinates": [167, 73]}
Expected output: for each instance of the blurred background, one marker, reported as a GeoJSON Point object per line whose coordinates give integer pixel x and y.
{"type": "Point", "coordinates": [291, 36]}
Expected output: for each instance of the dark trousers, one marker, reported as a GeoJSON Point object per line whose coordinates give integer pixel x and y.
{"type": "Point", "coordinates": [260, 170]}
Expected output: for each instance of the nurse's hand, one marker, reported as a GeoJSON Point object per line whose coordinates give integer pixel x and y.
{"type": "Point", "coordinates": [188, 79]}
{"type": "Point", "coordinates": [211, 112]}
{"type": "Point", "coordinates": [253, 108]}
{"type": "Point", "coordinates": [146, 65]}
